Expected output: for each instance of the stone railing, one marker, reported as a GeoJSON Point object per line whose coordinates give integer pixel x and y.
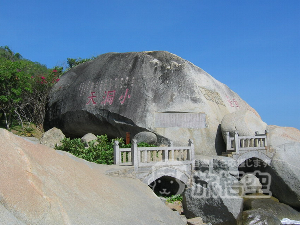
{"type": "Point", "coordinates": [240, 143]}
{"type": "Point", "coordinates": [148, 156]}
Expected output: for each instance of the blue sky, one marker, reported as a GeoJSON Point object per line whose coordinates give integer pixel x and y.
{"type": "Point", "coordinates": [251, 46]}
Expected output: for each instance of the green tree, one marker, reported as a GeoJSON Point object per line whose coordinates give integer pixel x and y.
{"type": "Point", "coordinates": [14, 85]}
{"type": "Point", "coordinates": [7, 53]}
{"type": "Point", "coordinates": [37, 99]}
{"type": "Point", "coordinates": [24, 88]}
{"type": "Point", "coordinates": [74, 62]}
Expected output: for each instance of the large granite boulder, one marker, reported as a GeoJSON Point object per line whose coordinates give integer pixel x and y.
{"type": "Point", "coordinates": [42, 186]}
{"type": "Point", "coordinates": [152, 91]}
{"type": "Point", "coordinates": [284, 168]}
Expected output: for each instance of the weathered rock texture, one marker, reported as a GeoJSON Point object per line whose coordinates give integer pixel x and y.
{"type": "Point", "coordinates": [42, 186]}
{"type": "Point", "coordinates": [213, 196]}
{"type": "Point", "coordinates": [143, 91]}
{"type": "Point", "coordinates": [250, 184]}
{"type": "Point", "coordinates": [245, 122]}
{"type": "Point", "coordinates": [52, 137]}
{"type": "Point", "coordinates": [285, 167]}
{"type": "Point", "coordinates": [146, 137]}
{"type": "Point", "coordinates": [87, 138]}
{"type": "Point", "coordinates": [268, 211]}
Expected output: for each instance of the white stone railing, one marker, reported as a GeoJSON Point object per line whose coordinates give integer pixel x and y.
{"type": "Point", "coordinates": [237, 143]}
{"type": "Point", "coordinates": [148, 156]}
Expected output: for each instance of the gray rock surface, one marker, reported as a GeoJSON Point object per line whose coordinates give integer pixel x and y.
{"type": "Point", "coordinates": [152, 91]}
{"type": "Point", "coordinates": [195, 221]}
{"type": "Point", "coordinates": [250, 184]}
{"type": "Point", "coordinates": [272, 207]}
{"type": "Point", "coordinates": [146, 137]}
{"type": "Point", "coordinates": [52, 137]}
{"type": "Point", "coordinates": [212, 195]}
{"type": "Point", "coordinates": [285, 167]}
{"type": "Point", "coordinates": [42, 186]}
{"type": "Point", "coordinates": [259, 217]}
{"type": "Point", "coordinates": [245, 122]}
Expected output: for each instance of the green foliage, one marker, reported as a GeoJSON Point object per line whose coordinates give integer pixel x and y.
{"type": "Point", "coordinates": [74, 62]}
{"type": "Point", "coordinates": [24, 87]}
{"type": "Point", "coordinates": [14, 85]}
{"type": "Point", "coordinates": [100, 151]}
{"type": "Point", "coordinates": [174, 198]}
{"type": "Point", "coordinates": [7, 53]}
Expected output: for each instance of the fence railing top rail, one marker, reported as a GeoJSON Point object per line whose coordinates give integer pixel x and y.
{"type": "Point", "coordinates": [136, 152]}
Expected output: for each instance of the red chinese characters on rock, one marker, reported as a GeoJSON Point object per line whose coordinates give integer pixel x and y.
{"type": "Point", "coordinates": [92, 98]}
{"type": "Point", "coordinates": [109, 97]}
{"type": "Point", "coordinates": [233, 102]}
{"type": "Point", "coordinates": [123, 98]}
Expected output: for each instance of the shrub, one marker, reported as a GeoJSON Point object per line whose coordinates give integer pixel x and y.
{"type": "Point", "coordinates": [24, 88]}
{"type": "Point", "coordinates": [100, 151]}
{"type": "Point", "coordinates": [174, 198]}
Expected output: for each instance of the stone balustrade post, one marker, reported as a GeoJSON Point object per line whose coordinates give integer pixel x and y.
{"type": "Point", "coordinates": [116, 153]}
{"type": "Point", "coordinates": [266, 139]}
{"type": "Point", "coordinates": [192, 150]}
{"type": "Point", "coordinates": [228, 141]}
{"type": "Point", "coordinates": [134, 154]}
{"type": "Point", "coordinates": [172, 150]}
{"type": "Point", "coordinates": [236, 142]}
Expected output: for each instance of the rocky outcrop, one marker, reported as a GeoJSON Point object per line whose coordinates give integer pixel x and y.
{"type": "Point", "coordinates": [267, 211]}
{"type": "Point", "coordinates": [52, 137]}
{"type": "Point", "coordinates": [42, 186]}
{"type": "Point", "coordinates": [245, 122]}
{"type": "Point", "coordinates": [213, 196]}
{"type": "Point", "coordinates": [259, 216]}
{"type": "Point", "coordinates": [284, 168]}
{"type": "Point", "coordinates": [152, 91]}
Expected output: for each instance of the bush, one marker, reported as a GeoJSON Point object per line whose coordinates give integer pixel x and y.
{"type": "Point", "coordinates": [100, 151]}
{"type": "Point", "coordinates": [174, 198]}
{"type": "Point", "coordinates": [24, 88]}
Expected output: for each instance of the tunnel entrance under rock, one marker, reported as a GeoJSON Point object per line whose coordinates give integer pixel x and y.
{"type": "Point", "coordinates": [256, 167]}
{"type": "Point", "coordinates": [167, 186]}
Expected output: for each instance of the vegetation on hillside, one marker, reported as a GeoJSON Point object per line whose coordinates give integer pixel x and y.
{"type": "Point", "coordinates": [24, 89]}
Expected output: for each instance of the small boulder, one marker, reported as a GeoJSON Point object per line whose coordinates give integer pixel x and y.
{"type": "Point", "coordinates": [52, 137]}
{"type": "Point", "coordinates": [87, 138]}
{"type": "Point", "coordinates": [245, 122]}
{"type": "Point", "coordinates": [146, 137]}
{"type": "Point", "coordinates": [250, 184]}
